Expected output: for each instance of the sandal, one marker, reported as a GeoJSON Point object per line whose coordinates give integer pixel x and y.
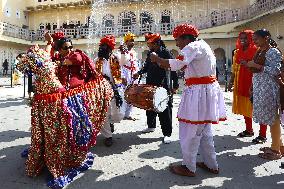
{"type": "Point", "coordinates": [246, 134]}
{"type": "Point", "coordinates": [202, 165]}
{"type": "Point", "coordinates": [181, 170]}
{"type": "Point", "coordinates": [259, 140]}
{"type": "Point", "coordinates": [270, 155]}
{"type": "Point", "coordinates": [264, 149]}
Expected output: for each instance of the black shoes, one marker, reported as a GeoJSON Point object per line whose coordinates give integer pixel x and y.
{"type": "Point", "coordinates": [108, 142]}
{"type": "Point", "coordinates": [259, 140]}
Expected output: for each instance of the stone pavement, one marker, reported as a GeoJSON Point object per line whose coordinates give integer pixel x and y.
{"type": "Point", "coordinates": [137, 160]}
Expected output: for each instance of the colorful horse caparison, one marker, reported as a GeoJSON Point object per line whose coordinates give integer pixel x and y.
{"type": "Point", "coordinates": [64, 123]}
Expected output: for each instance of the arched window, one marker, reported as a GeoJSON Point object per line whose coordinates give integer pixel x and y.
{"type": "Point", "coordinates": [166, 16]}
{"type": "Point", "coordinates": [108, 20]}
{"type": "Point", "coordinates": [166, 22]}
{"type": "Point", "coordinates": [146, 19]}
{"type": "Point", "coordinates": [126, 18]}
{"type": "Point", "coordinates": [41, 26]}
{"type": "Point", "coordinates": [108, 24]}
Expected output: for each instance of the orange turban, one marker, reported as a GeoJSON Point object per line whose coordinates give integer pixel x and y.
{"type": "Point", "coordinates": [151, 38]}
{"type": "Point", "coordinates": [185, 29]}
{"type": "Point", "coordinates": [109, 40]}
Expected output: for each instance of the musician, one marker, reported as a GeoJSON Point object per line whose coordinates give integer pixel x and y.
{"type": "Point", "coordinates": [159, 77]}
{"type": "Point", "coordinates": [108, 64]}
{"type": "Point", "coordinates": [202, 100]}
{"type": "Point", "coordinates": [129, 68]}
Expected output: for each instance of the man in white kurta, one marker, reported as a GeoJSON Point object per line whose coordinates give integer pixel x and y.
{"type": "Point", "coordinates": [109, 66]}
{"type": "Point", "coordinates": [130, 67]}
{"type": "Point", "coordinates": [202, 102]}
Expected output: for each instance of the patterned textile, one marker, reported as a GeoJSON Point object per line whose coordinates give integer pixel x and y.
{"type": "Point", "coordinates": [64, 123]}
{"type": "Point", "coordinates": [266, 94]}
{"type": "Point", "coordinates": [114, 67]}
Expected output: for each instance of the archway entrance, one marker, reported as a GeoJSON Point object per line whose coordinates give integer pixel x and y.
{"type": "Point", "coordinates": [221, 66]}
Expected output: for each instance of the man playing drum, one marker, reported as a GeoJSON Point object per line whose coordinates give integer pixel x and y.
{"type": "Point", "coordinates": [159, 77]}
{"type": "Point", "coordinates": [109, 65]}
{"type": "Point", "coordinates": [129, 68]}
{"type": "Point", "coordinates": [202, 102]}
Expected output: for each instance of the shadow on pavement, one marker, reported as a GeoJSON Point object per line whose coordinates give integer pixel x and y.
{"type": "Point", "coordinates": [122, 143]}
{"type": "Point", "coordinates": [11, 135]}
{"type": "Point", "coordinates": [10, 102]}
{"type": "Point", "coordinates": [12, 174]}
{"type": "Point", "coordinates": [143, 178]}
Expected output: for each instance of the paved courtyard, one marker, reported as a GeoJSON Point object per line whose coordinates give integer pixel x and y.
{"type": "Point", "coordinates": [137, 160]}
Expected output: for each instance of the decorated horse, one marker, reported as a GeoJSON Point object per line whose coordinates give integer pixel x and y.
{"type": "Point", "coordinates": [65, 123]}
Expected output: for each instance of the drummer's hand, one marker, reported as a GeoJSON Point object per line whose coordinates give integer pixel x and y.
{"type": "Point", "coordinates": [154, 58]}
{"type": "Point", "coordinates": [135, 76]}
{"type": "Point", "coordinates": [124, 81]}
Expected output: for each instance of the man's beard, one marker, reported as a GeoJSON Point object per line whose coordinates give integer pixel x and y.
{"type": "Point", "coordinates": [104, 53]}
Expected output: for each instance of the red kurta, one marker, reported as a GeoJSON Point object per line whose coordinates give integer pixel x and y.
{"type": "Point", "coordinates": [72, 76]}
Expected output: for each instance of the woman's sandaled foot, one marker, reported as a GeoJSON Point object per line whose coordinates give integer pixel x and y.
{"type": "Point", "coordinates": [246, 134]}
{"type": "Point", "coordinates": [264, 149]}
{"type": "Point", "coordinates": [270, 154]}
{"type": "Point", "coordinates": [181, 170]}
{"type": "Point", "coordinates": [259, 140]}
{"type": "Point", "coordinates": [282, 150]}
{"type": "Point", "coordinates": [202, 165]}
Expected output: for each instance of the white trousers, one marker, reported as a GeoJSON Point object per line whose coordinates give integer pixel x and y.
{"type": "Point", "coordinates": [128, 110]}
{"type": "Point", "coordinates": [106, 130]}
{"type": "Point", "coordinates": [194, 137]}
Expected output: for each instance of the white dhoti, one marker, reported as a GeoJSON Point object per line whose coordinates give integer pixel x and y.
{"type": "Point", "coordinates": [194, 138]}
{"type": "Point", "coordinates": [106, 130]}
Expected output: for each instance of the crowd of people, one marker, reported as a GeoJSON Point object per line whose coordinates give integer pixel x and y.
{"type": "Point", "coordinates": [257, 84]}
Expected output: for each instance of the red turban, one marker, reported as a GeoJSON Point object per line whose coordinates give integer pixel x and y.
{"type": "Point", "coordinates": [185, 29]}
{"type": "Point", "coordinates": [57, 35]}
{"type": "Point", "coordinates": [109, 40]}
{"type": "Point", "coordinates": [151, 38]}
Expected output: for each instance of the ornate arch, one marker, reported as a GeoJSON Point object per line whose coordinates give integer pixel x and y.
{"type": "Point", "coordinates": [126, 18]}
{"type": "Point", "coordinates": [146, 18]}
{"type": "Point", "coordinates": [108, 20]}
{"type": "Point", "coordinates": [166, 22]}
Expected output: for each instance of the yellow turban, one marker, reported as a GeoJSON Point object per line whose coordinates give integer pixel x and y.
{"type": "Point", "coordinates": [129, 36]}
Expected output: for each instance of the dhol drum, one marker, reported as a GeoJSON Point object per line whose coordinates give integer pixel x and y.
{"type": "Point", "coordinates": [147, 97]}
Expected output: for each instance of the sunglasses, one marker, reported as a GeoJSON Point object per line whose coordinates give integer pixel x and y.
{"type": "Point", "coordinates": [67, 47]}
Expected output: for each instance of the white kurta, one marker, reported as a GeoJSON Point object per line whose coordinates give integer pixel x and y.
{"type": "Point", "coordinates": [130, 66]}
{"type": "Point", "coordinates": [114, 114]}
{"type": "Point", "coordinates": [129, 62]}
{"type": "Point", "coordinates": [200, 103]}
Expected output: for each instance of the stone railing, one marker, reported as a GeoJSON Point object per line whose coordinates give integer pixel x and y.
{"type": "Point", "coordinates": [216, 18]}
{"type": "Point", "coordinates": [15, 31]}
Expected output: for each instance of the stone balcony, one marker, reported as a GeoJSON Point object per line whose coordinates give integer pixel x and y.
{"type": "Point", "coordinates": [34, 5]}
{"type": "Point", "coordinates": [58, 4]}
{"type": "Point", "coordinates": [217, 18]}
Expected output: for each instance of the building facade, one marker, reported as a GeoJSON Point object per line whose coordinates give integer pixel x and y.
{"type": "Point", "coordinates": [24, 22]}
